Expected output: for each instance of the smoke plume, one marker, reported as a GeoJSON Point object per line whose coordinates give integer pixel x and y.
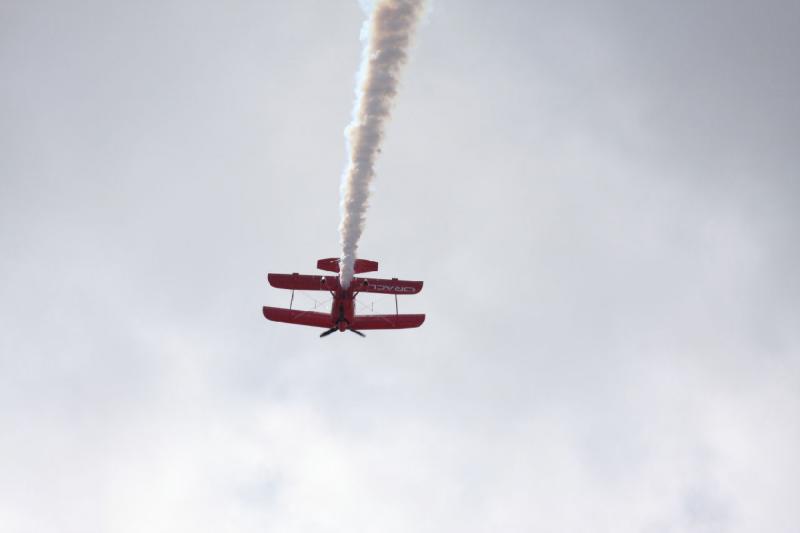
{"type": "Point", "coordinates": [387, 38]}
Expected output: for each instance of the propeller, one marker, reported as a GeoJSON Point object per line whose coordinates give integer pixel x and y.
{"type": "Point", "coordinates": [326, 333]}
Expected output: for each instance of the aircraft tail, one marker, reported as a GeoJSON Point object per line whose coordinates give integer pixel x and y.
{"type": "Point", "coordinates": [331, 264]}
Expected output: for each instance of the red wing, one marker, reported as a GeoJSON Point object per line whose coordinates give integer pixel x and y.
{"type": "Point", "coordinates": [387, 321]}
{"type": "Point", "coordinates": [387, 286]}
{"type": "Point", "coordinates": [303, 318]}
{"type": "Point", "coordinates": [301, 282]}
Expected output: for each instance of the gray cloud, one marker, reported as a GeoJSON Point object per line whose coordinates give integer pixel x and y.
{"type": "Point", "coordinates": [599, 198]}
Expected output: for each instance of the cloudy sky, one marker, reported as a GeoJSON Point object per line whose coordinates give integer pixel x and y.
{"type": "Point", "coordinates": [600, 196]}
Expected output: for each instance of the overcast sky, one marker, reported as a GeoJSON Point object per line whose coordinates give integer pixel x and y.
{"type": "Point", "coordinates": [601, 198]}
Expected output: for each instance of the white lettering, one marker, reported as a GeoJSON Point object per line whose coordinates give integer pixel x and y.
{"type": "Point", "coordinates": [392, 288]}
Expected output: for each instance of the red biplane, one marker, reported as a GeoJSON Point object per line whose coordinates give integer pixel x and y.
{"type": "Point", "coordinates": [343, 315]}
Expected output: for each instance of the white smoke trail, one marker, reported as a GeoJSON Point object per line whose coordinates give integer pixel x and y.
{"type": "Point", "coordinates": [389, 30]}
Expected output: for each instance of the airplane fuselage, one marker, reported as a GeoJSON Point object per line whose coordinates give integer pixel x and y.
{"type": "Point", "coordinates": [343, 308]}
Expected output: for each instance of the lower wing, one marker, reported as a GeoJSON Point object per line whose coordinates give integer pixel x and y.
{"type": "Point", "coordinates": [387, 321]}
{"type": "Point", "coordinates": [303, 318]}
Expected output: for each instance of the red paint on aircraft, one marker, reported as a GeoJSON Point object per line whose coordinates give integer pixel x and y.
{"type": "Point", "coordinates": [342, 316]}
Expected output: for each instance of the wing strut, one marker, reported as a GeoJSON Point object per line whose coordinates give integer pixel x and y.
{"type": "Point", "coordinates": [292, 300]}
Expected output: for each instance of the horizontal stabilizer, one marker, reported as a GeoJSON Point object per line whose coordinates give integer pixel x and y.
{"type": "Point", "coordinates": [387, 286]}
{"type": "Point", "coordinates": [331, 264]}
{"type": "Point", "coordinates": [387, 321]}
{"type": "Point", "coordinates": [293, 316]}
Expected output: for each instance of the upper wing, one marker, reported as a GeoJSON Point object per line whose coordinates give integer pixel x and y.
{"type": "Point", "coordinates": [387, 321]}
{"type": "Point", "coordinates": [303, 318]}
{"type": "Point", "coordinates": [387, 286]}
{"type": "Point", "coordinates": [302, 282]}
